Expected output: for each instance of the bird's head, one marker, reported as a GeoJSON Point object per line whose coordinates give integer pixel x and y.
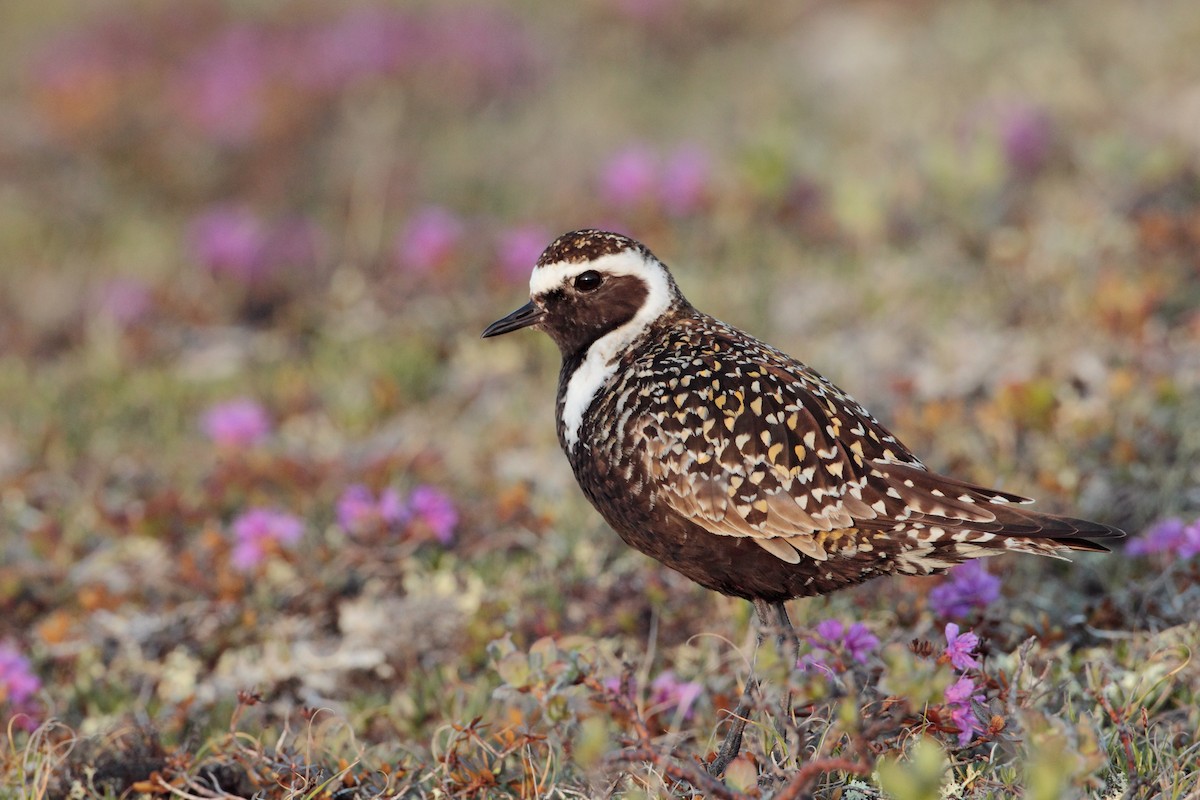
{"type": "Point", "coordinates": [589, 284]}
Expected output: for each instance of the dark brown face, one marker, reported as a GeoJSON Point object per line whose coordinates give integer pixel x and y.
{"type": "Point", "coordinates": [588, 307]}
{"type": "Point", "coordinates": [588, 284]}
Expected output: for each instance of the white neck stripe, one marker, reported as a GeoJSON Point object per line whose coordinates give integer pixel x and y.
{"type": "Point", "coordinates": [586, 383]}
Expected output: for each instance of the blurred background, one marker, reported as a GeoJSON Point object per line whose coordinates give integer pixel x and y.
{"type": "Point", "coordinates": [247, 248]}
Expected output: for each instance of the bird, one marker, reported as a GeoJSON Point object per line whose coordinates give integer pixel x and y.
{"type": "Point", "coordinates": [735, 464]}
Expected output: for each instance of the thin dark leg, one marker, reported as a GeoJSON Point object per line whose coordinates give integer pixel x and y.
{"type": "Point", "coordinates": [770, 616]}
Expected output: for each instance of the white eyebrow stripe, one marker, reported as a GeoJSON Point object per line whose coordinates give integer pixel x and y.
{"type": "Point", "coordinates": [627, 262]}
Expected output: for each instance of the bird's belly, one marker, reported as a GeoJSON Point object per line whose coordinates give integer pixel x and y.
{"type": "Point", "coordinates": [735, 566]}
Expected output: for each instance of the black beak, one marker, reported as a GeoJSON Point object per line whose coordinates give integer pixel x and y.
{"type": "Point", "coordinates": [523, 317]}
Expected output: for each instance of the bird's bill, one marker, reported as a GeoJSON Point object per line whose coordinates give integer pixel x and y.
{"type": "Point", "coordinates": [523, 317]}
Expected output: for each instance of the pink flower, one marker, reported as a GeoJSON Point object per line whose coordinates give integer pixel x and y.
{"type": "Point", "coordinates": [358, 510]}
{"type": "Point", "coordinates": [966, 586]}
{"type": "Point", "coordinates": [684, 186]}
{"type": "Point", "coordinates": [959, 697]}
{"type": "Point", "coordinates": [519, 249]}
{"type": "Point", "coordinates": [222, 88]}
{"type": "Point", "coordinates": [1026, 138]}
{"type": "Point", "coordinates": [236, 423]}
{"type": "Point", "coordinates": [667, 692]}
{"type": "Point", "coordinates": [125, 301]}
{"type": "Point", "coordinates": [429, 240]}
{"type": "Point", "coordinates": [960, 647]}
{"type": "Point", "coordinates": [234, 242]}
{"type": "Point", "coordinates": [834, 639]}
{"type": "Point", "coordinates": [629, 178]}
{"type": "Point", "coordinates": [18, 685]}
{"type": "Point", "coordinates": [1171, 535]}
{"type": "Point", "coordinates": [479, 47]}
{"type": "Point", "coordinates": [260, 530]}
{"type": "Point", "coordinates": [230, 241]}
{"type": "Point", "coordinates": [362, 43]}
{"type": "Point", "coordinates": [434, 510]}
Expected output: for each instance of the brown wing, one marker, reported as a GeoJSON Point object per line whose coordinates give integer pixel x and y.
{"type": "Point", "coordinates": [759, 445]}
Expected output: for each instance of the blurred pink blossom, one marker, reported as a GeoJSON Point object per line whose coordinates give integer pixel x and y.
{"type": "Point", "coordinates": [125, 301]}
{"type": "Point", "coordinates": [1171, 535]}
{"type": "Point", "coordinates": [669, 693]}
{"type": "Point", "coordinates": [833, 639]}
{"type": "Point", "coordinates": [481, 46]}
{"type": "Point", "coordinates": [519, 249]}
{"type": "Point", "coordinates": [630, 177]}
{"type": "Point", "coordinates": [958, 698]}
{"type": "Point", "coordinates": [358, 510]}
{"type": "Point", "coordinates": [361, 43]}
{"type": "Point", "coordinates": [429, 240]}
{"type": "Point", "coordinates": [686, 177]}
{"type": "Point", "coordinates": [1026, 138]}
{"type": "Point", "coordinates": [965, 587]}
{"type": "Point", "coordinates": [18, 685]}
{"type": "Point", "coordinates": [230, 240]}
{"type": "Point", "coordinates": [435, 510]}
{"type": "Point", "coordinates": [258, 531]}
{"type": "Point", "coordinates": [293, 242]}
{"type": "Point", "coordinates": [222, 87]}
{"type": "Point", "coordinates": [960, 647]}
{"type": "Point", "coordinates": [236, 423]}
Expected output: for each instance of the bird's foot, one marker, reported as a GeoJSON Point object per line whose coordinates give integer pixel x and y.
{"type": "Point", "coordinates": [733, 739]}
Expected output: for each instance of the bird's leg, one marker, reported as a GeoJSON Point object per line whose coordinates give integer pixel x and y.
{"type": "Point", "coordinates": [741, 716]}
{"type": "Point", "coordinates": [789, 650]}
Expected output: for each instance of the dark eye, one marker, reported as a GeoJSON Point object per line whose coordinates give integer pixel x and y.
{"type": "Point", "coordinates": [588, 281]}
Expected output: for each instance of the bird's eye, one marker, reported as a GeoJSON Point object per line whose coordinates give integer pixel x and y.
{"type": "Point", "coordinates": [588, 281]}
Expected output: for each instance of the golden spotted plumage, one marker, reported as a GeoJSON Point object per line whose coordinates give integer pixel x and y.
{"type": "Point", "coordinates": [734, 463]}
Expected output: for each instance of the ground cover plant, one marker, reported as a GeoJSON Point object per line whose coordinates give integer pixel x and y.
{"type": "Point", "coordinates": [275, 523]}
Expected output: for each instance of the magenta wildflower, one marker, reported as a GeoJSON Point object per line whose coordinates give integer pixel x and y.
{"type": "Point", "coordinates": [484, 45]}
{"type": "Point", "coordinates": [292, 242]}
{"type": "Point", "coordinates": [233, 242]}
{"type": "Point", "coordinates": [259, 531]}
{"type": "Point", "coordinates": [362, 43]}
{"type": "Point", "coordinates": [230, 241]}
{"type": "Point", "coordinates": [518, 250]}
{"type": "Point", "coordinates": [358, 510]}
{"type": "Point", "coordinates": [236, 423]}
{"type": "Point", "coordinates": [1026, 138]}
{"type": "Point", "coordinates": [960, 647]}
{"type": "Point", "coordinates": [434, 510]}
{"type": "Point", "coordinates": [629, 178]}
{"type": "Point", "coordinates": [684, 185]}
{"type": "Point", "coordinates": [429, 240]}
{"type": "Point", "coordinates": [18, 685]}
{"type": "Point", "coordinates": [965, 587]}
{"type": "Point", "coordinates": [125, 301]}
{"type": "Point", "coordinates": [958, 697]}
{"type": "Point", "coordinates": [1171, 535]}
{"type": "Point", "coordinates": [833, 639]}
{"type": "Point", "coordinates": [221, 89]}
{"type": "Point", "coordinates": [667, 692]}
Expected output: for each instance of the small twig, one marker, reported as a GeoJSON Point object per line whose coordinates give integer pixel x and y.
{"type": "Point", "coordinates": [1119, 720]}
{"type": "Point", "coordinates": [814, 769]}
{"type": "Point", "coordinates": [678, 771]}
